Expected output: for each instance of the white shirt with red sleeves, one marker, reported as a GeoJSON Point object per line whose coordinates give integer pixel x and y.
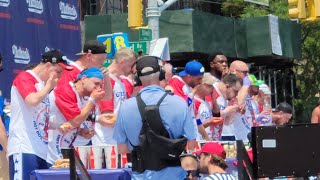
{"type": "Point", "coordinates": [104, 134]}
{"type": "Point", "coordinates": [67, 76]}
{"type": "Point", "coordinates": [66, 105]}
{"type": "Point", "coordinates": [29, 124]}
{"type": "Point", "coordinates": [222, 103]}
{"type": "Point", "coordinates": [203, 113]}
{"type": "Point", "coordinates": [181, 89]}
{"type": "Point", "coordinates": [129, 85]}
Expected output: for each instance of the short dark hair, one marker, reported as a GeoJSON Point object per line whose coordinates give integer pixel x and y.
{"type": "Point", "coordinates": [284, 107]}
{"type": "Point", "coordinates": [213, 55]}
{"type": "Point", "coordinates": [231, 79]}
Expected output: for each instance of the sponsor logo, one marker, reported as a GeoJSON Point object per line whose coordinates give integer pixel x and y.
{"type": "Point", "coordinates": [35, 6]}
{"type": "Point", "coordinates": [246, 125]}
{"type": "Point", "coordinates": [21, 55]}
{"type": "Point", "coordinates": [46, 49]}
{"type": "Point", "coordinates": [121, 95]}
{"type": "Point", "coordinates": [57, 144]}
{"type": "Point", "coordinates": [68, 11]}
{"type": "Point", "coordinates": [4, 3]}
{"type": "Point", "coordinates": [41, 122]}
{"type": "Point", "coordinates": [206, 114]}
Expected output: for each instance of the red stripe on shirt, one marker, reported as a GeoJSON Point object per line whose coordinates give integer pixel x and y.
{"type": "Point", "coordinates": [25, 84]}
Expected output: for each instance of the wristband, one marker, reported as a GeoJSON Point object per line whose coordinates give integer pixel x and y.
{"type": "Point", "coordinates": [97, 118]}
{"type": "Point", "coordinates": [199, 122]}
{"type": "Point", "coordinates": [92, 100]}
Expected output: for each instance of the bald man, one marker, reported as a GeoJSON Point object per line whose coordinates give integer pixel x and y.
{"type": "Point", "coordinates": [239, 68]}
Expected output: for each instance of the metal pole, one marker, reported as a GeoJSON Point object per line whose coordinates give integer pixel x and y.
{"type": "Point", "coordinates": [153, 13]}
{"type": "Point", "coordinates": [269, 84]}
{"type": "Point", "coordinates": [275, 87]}
{"type": "Point", "coordinates": [167, 4]}
{"type": "Point", "coordinates": [292, 91]}
{"type": "Point", "coordinates": [260, 73]}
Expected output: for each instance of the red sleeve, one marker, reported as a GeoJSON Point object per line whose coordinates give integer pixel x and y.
{"type": "Point", "coordinates": [177, 86]}
{"type": "Point", "coordinates": [25, 84]}
{"type": "Point", "coordinates": [260, 107]}
{"type": "Point", "coordinates": [66, 102]}
{"type": "Point", "coordinates": [68, 76]}
{"type": "Point", "coordinates": [209, 99]}
{"type": "Point", "coordinates": [196, 107]}
{"type": "Point", "coordinates": [108, 105]}
{"type": "Point", "coordinates": [129, 87]}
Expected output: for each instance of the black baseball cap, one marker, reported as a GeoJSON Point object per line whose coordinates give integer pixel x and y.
{"type": "Point", "coordinates": [284, 107]}
{"type": "Point", "coordinates": [93, 47]}
{"type": "Point", "coordinates": [147, 65]}
{"type": "Point", "coordinates": [56, 57]}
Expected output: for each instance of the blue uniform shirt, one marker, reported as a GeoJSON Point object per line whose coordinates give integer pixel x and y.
{"type": "Point", "coordinates": [176, 118]}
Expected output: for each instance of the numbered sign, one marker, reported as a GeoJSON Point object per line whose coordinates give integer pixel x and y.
{"type": "Point", "coordinates": [120, 40]}
{"type": "Point", "coordinates": [113, 42]}
{"type": "Point", "coordinates": [106, 39]}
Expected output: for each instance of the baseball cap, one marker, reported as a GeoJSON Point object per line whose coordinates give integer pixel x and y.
{"type": "Point", "coordinates": [192, 68]}
{"type": "Point", "coordinates": [147, 65]}
{"type": "Point", "coordinates": [57, 57]}
{"type": "Point", "coordinates": [93, 47]}
{"type": "Point", "coordinates": [254, 80]}
{"type": "Point", "coordinates": [213, 148]}
{"type": "Point", "coordinates": [284, 107]}
{"type": "Point", "coordinates": [265, 89]}
{"type": "Point", "coordinates": [91, 72]}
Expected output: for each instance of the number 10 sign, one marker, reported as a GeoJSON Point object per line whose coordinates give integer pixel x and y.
{"type": "Point", "coordinates": [113, 42]}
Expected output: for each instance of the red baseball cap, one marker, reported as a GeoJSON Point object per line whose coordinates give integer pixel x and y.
{"type": "Point", "coordinates": [213, 148]}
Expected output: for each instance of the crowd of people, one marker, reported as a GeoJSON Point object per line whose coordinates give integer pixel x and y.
{"type": "Point", "coordinates": [59, 104]}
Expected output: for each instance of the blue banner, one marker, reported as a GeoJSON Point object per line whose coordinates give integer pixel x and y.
{"type": "Point", "coordinates": [31, 27]}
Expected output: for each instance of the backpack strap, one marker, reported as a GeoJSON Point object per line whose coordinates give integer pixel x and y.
{"type": "Point", "coordinates": [162, 98]}
{"type": "Point", "coordinates": [141, 105]}
{"type": "Point", "coordinates": [156, 125]}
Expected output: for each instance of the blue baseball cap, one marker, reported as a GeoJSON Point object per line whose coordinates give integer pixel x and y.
{"type": "Point", "coordinates": [192, 68]}
{"type": "Point", "coordinates": [91, 72]}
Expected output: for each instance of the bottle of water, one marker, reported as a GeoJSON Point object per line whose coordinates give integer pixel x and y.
{"type": "Point", "coordinates": [266, 105]}
{"type": "Point", "coordinates": [267, 118]}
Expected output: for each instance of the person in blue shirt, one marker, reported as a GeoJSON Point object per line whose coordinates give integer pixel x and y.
{"type": "Point", "coordinates": [174, 113]}
{"type": "Point", "coordinates": [4, 169]}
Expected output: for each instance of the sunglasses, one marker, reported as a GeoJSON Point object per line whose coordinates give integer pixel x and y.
{"type": "Point", "coordinates": [243, 72]}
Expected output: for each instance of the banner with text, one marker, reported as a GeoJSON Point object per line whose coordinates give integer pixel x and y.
{"type": "Point", "coordinates": [31, 27]}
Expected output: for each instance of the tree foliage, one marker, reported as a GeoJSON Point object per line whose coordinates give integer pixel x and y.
{"type": "Point", "coordinates": [306, 69]}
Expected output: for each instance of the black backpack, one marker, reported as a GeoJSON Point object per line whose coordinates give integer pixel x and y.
{"type": "Point", "coordinates": [156, 150]}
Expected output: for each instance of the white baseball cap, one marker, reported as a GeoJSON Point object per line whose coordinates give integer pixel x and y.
{"type": "Point", "coordinates": [265, 89]}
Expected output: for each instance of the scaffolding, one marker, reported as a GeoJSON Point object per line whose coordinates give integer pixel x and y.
{"type": "Point", "coordinates": [280, 81]}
